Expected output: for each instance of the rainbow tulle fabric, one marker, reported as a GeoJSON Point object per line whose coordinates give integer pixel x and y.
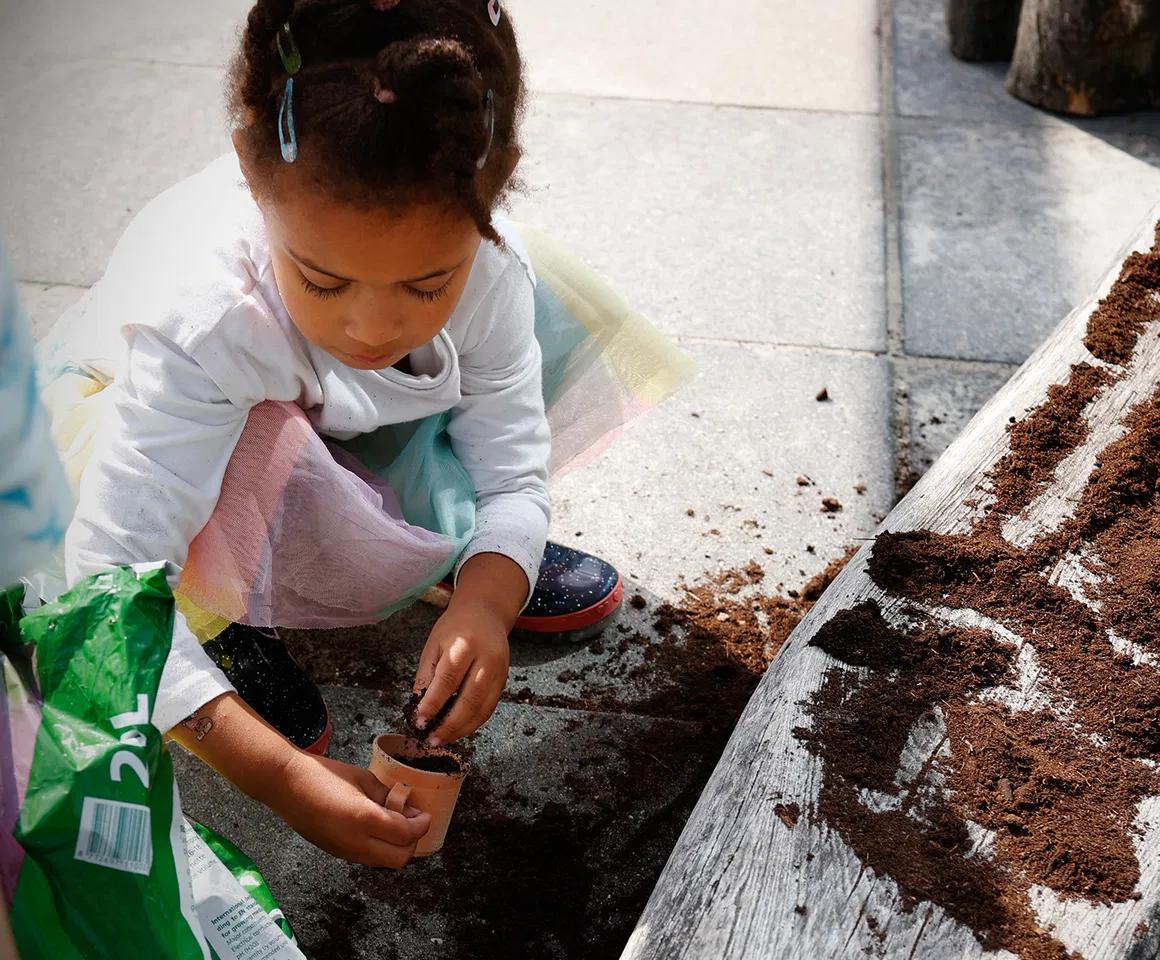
{"type": "Point", "coordinates": [309, 532]}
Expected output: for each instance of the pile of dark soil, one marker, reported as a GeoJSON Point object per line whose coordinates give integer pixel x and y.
{"type": "Point", "coordinates": [1058, 787]}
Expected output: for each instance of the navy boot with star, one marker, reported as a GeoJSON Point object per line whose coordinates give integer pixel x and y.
{"type": "Point", "coordinates": [577, 595]}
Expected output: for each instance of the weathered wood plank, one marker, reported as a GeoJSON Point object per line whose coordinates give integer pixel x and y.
{"type": "Point", "coordinates": [737, 879]}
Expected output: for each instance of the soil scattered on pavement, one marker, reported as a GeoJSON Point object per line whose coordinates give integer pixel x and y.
{"type": "Point", "coordinates": [569, 878]}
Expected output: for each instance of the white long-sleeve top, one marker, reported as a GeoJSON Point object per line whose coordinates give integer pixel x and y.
{"type": "Point", "coordinates": [188, 327]}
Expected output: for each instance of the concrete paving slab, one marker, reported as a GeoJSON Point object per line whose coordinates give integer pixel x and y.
{"type": "Point", "coordinates": [943, 397]}
{"type": "Point", "coordinates": [563, 824]}
{"type": "Point", "coordinates": [36, 31]}
{"type": "Point", "coordinates": [722, 223]}
{"type": "Point", "coordinates": [81, 153]}
{"type": "Point", "coordinates": [787, 53]}
{"type": "Point", "coordinates": [1005, 228]}
{"type": "Point", "coordinates": [729, 447]}
{"type": "Point", "coordinates": [44, 303]}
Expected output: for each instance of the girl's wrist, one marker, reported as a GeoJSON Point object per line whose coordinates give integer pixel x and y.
{"type": "Point", "coordinates": [495, 583]}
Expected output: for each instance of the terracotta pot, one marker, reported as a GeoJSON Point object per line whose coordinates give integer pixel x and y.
{"type": "Point", "coordinates": [433, 793]}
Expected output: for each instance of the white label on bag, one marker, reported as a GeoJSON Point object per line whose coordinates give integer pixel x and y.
{"type": "Point", "coordinates": [115, 835]}
{"type": "Point", "coordinates": [234, 923]}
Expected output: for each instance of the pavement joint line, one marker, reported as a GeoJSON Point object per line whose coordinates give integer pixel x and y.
{"type": "Point", "coordinates": [542, 93]}
{"type": "Point", "coordinates": [775, 345]}
{"type": "Point", "coordinates": [892, 246]}
{"type": "Point", "coordinates": [54, 283]}
{"type": "Point", "coordinates": [926, 359]}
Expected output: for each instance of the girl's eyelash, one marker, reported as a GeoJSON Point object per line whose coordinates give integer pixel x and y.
{"type": "Point", "coordinates": [323, 293]}
{"type": "Point", "coordinates": [430, 296]}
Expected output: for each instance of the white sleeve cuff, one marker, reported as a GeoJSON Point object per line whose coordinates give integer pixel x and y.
{"type": "Point", "coordinates": [189, 680]}
{"type": "Point", "coordinates": [514, 527]}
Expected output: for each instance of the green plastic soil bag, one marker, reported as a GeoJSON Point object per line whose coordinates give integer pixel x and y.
{"type": "Point", "coordinates": [96, 858]}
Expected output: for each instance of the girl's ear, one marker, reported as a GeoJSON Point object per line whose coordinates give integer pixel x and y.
{"type": "Point", "coordinates": [511, 161]}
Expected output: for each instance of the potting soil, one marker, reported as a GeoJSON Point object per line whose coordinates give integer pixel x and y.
{"type": "Point", "coordinates": [1058, 782]}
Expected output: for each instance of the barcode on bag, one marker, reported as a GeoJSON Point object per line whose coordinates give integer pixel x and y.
{"type": "Point", "coordinates": [116, 835]}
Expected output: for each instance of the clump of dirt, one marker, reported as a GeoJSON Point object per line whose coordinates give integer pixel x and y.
{"type": "Point", "coordinates": [788, 813]}
{"type": "Point", "coordinates": [1058, 788]}
{"type": "Point", "coordinates": [1061, 805]}
{"type": "Point", "coordinates": [717, 642]}
{"type": "Point", "coordinates": [1041, 441]}
{"type": "Point", "coordinates": [410, 715]}
{"type": "Point", "coordinates": [861, 728]}
{"type": "Point", "coordinates": [1121, 316]}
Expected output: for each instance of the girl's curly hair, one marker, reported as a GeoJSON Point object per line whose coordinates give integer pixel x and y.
{"type": "Point", "coordinates": [389, 104]}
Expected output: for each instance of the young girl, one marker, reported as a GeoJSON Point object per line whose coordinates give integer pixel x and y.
{"type": "Point", "coordinates": [312, 380]}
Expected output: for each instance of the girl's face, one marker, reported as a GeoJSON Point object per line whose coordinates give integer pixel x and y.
{"type": "Point", "coordinates": [368, 286]}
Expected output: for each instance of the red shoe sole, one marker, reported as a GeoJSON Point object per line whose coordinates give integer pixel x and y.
{"type": "Point", "coordinates": [569, 622]}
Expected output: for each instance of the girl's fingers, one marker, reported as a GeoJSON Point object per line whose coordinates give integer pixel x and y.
{"type": "Point", "coordinates": [374, 788]}
{"type": "Point", "coordinates": [477, 701]}
{"type": "Point", "coordinates": [379, 853]}
{"type": "Point", "coordinates": [445, 680]}
{"type": "Point", "coordinates": [428, 661]}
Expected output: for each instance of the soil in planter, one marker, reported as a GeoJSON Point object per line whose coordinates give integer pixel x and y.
{"type": "Point", "coordinates": [1057, 787]}
{"type": "Point", "coordinates": [432, 763]}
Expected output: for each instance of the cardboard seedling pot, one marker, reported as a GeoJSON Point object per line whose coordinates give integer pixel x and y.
{"type": "Point", "coordinates": [429, 791]}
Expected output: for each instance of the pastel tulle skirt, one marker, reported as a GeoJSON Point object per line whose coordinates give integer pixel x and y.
{"type": "Point", "coordinates": [311, 532]}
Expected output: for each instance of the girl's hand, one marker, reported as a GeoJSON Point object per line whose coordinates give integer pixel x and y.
{"type": "Point", "coordinates": [333, 805]}
{"type": "Point", "coordinates": [467, 652]}
{"type": "Point", "coordinates": [339, 808]}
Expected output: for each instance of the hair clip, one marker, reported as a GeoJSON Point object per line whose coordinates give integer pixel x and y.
{"type": "Point", "coordinates": [494, 12]}
{"type": "Point", "coordinates": [384, 94]}
{"type": "Point", "coordinates": [288, 50]}
{"type": "Point", "coordinates": [287, 136]}
{"type": "Point", "coordinates": [489, 122]}
{"type": "Point", "coordinates": [384, 5]}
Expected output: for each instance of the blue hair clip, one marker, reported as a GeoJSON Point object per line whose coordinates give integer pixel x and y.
{"type": "Point", "coordinates": [489, 122]}
{"type": "Point", "coordinates": [292, 61]}
{"type": "Point", "coordinates": [287, 136]}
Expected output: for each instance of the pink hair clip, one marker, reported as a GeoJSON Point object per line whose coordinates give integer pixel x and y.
{"type": "Point", "coordinates": [493, 11]}
{"type": "Point", "coordinates": [384, 94]}
{"type": "Point", "coordinates": [384, 5]}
